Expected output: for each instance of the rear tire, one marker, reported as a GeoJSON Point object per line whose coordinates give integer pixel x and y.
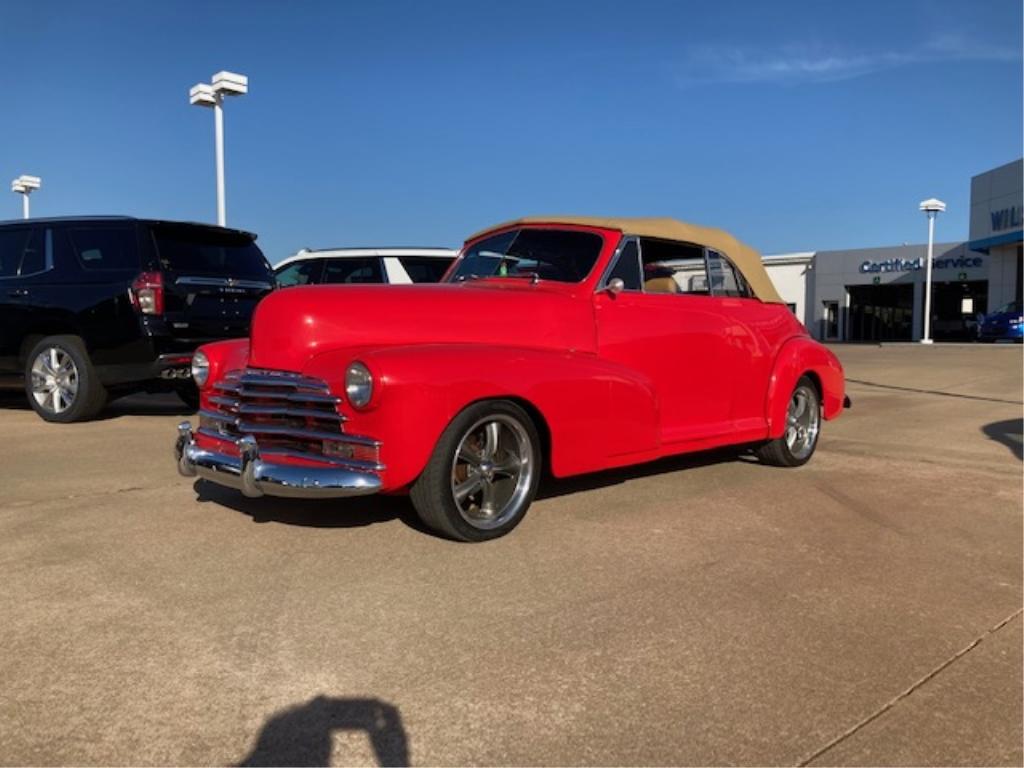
{"type": "Point", "coordinates": [803, 427]}
{"type": "Point", "coordinates": [60, 382]}
{"type": "Point", "coordinates": [482, 475]}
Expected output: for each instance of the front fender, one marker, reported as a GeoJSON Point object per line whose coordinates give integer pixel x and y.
{"type": "Point", "coordinates": [224, 356]}
{"type": "Point", "coordinates": [591, 409]}
{"type": "Point", "coordinates": [797, 357]}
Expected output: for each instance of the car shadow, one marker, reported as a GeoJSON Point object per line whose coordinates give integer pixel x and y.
{"type": "Point", "coordinates": [141, 404]}
{"type": "Point", "coordinates": [1009, 432]}
{"type": "Point", "coordinates": [552, 487]}
{"type": "Point", "coordinates": [354, 512]}
{"type": "Point", "coordinates": [12, 399]}
{"type": "Point", "coordinates": [301, 735]}
{"type": "Point", "coordinates": [361, 511]}
{"type": "Point", "coordinates": [162, 404]}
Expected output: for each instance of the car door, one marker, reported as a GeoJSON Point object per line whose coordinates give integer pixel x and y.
{"type": "Point", "coordinates": [747, 355]}
{"type": "Point", "coordinates": [14, 295]}
{"type": "Point", "coordinates": [663, 326]}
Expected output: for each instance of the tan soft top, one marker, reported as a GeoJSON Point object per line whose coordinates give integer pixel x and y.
{"type": "Point", "coordinates": [746, 259]}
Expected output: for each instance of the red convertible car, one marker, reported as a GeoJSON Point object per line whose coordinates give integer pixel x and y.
{"type": "Point", "coordinates": [559, 344]}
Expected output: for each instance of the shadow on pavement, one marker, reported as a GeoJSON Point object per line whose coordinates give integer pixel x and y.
{"type": "Point", "coordinates": [164, 404]}
{"type": "Point", "coordinates": [368, 510]}
{"type": "Point", "coordinates": [142, 404]}
{"type": "Point", "coordinates": [13, 400]}
{"type": "Point", "coordinates": [301, 735]}
{"type": "Point", "coordinates": [315, 513]}
{"type": "Point", "coordinates": [551, 488]}
{"type": "Point", "coordinates": [1010, 433]}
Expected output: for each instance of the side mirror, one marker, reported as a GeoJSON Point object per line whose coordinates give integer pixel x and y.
{"type": "Point", "coordinates": [615, 286]}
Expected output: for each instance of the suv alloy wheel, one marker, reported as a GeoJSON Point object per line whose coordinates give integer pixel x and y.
{"type": "Point", "coordinates": [60, 382]}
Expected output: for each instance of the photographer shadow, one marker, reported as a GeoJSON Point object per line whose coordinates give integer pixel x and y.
{"type": "Point", "coordinates": [301, 735]}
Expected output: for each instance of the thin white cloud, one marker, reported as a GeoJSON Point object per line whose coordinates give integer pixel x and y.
{"type": "Point", "coordinates": [820, 64]}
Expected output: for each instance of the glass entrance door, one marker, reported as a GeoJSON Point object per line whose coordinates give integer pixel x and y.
{"type": "Point", "coordinates": [881, 312]}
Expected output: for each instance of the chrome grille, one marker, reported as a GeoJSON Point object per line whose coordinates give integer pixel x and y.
{"type": "Point", "coordinates": [285, 412]}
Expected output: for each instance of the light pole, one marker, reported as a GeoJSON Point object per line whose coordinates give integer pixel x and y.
{"type": "Point", "coordinates": [25, 186]}
{"type": "Point", "coordinates": [932, 208]}
{"type": "Point", "coordinates": [212, 95]}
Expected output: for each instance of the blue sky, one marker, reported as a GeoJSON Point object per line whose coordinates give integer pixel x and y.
{"type": "Point", "coordinates": [796, 125]}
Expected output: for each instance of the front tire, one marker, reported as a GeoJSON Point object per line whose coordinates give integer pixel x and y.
{"type": "Point", "coordinates": [803, 426]}
{"type": "Point", "coordinates": [482, 475]}
{"type": "Point", "coordinates": [61, 384]}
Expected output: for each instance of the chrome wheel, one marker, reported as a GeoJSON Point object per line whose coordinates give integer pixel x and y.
{"type": "Point", "coordinates": [55, 380]}
{"type": "Point", "coordinates": [803, 421]}
{"type": "Point", "coordinates": [492, 471]}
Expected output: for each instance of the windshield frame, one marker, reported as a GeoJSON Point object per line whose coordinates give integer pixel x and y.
{"type": "Point", "coordinates": [608, 240]}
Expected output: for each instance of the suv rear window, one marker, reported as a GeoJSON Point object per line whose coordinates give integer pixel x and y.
{"type": "Point", "coordinates": [353, 271]}
{"type": "Point", "coordinates": [194, 251]}
{"type": "Point", "coordinates": [424, 269]}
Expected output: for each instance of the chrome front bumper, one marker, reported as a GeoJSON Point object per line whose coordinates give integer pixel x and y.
{"type": "Point", "coordinates": [255, 477]}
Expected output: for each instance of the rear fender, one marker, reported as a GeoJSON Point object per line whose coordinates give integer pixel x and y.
{"type": "Point", "coordinates": [798, 357]}
{"type": "Point", "coordinates": [590, 409]}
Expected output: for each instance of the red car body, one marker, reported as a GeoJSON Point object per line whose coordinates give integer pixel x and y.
{"type": "Point", "coordinates": [608, 378]}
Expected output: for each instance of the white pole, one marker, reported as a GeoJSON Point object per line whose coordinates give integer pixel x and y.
{"type": "Point", "coordinates": [218, 121]}
{"type": "Point", "coordinates": [928, 281]}
{"type": "Point", "coordinates": [24, 205]}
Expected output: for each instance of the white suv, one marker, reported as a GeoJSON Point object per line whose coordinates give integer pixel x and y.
{"type": "Point", "coordinates": [364, 265]}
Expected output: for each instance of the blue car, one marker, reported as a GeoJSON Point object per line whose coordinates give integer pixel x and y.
{"type": "Point", "coordinates": [1007, 322]}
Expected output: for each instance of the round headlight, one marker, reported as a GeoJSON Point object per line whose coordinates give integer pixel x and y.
{"type": "Point", "coordinates": [200, 368]}
{"type": "Point", "coordinates": [358, 385]}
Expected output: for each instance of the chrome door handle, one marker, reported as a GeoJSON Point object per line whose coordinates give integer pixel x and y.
{"type": "Point", "coordinates": [17, 293]}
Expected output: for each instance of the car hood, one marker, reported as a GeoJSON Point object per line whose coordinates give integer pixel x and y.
{"type": "Point", "coordinates": [293, 325]}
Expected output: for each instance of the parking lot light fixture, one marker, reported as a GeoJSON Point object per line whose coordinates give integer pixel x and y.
{"type": "Point", "coordinates": [212, 95]}
{"type": "Point", "coordinates": [25, 186]}
{"type": "Point", "coordinates": [932, 208]}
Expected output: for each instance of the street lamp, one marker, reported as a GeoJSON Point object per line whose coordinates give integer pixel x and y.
{"type": "Point", "coordinates": [932, 208]}
{"type": "Point", "coordinates": [25, 186]}
{"type": "Point", "coordinates": [212, 95]}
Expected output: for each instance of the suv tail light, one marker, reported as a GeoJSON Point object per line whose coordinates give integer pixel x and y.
{"type": "Point", "coordinates": [147, 293]}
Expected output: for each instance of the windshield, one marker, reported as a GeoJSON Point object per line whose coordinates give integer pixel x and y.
{"type": "Point", "coordinates": [200, 251]}
{"type": "Point", "coordinates": [566, 256]}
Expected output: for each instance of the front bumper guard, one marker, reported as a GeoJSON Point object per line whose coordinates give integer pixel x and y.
{"type": "Point", "coordinates": [254, 477]}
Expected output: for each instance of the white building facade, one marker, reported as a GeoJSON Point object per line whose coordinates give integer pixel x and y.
{"type": "Point", "coordinates": [790, 272]}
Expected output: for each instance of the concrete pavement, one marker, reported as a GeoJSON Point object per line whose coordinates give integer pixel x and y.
{"type": "Point", "coordinates": [864, 609]}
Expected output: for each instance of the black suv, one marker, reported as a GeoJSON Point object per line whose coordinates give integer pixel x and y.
{"type": "Point", "coordinates": [96, 307]}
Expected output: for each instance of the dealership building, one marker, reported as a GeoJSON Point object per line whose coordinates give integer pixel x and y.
{"type": "Point", "coordinates": [877, 294]}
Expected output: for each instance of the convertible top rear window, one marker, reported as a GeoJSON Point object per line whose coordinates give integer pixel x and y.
{"type": "Point", "coordinates": [566, 256]}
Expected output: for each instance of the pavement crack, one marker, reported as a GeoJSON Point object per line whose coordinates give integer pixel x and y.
{"type": "Point", "coordinates": [913, 687]}
{"type": "Point", "coordinates": [933, 392]}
